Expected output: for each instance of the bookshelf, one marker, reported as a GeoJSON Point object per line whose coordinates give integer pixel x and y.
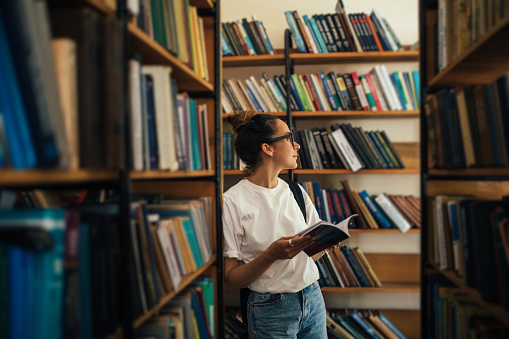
{"type": "Point", "coordinates": [480, 62]}
{"type": "Point", "coordinates": [396, 286]}
{"type": "Point", "coordinates": [124, 183]}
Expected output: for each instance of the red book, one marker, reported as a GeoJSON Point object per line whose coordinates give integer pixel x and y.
{"type": "Point", "coordinates": [369, 80]}
{"type": "Point", "coordinates": [331, 207]}
{"type": "Point", "coordinates": [305, 37]}
{"type": "Point", "coordinates": [360, 92]}
{"type": "Point", "coordinates": [340, 215]}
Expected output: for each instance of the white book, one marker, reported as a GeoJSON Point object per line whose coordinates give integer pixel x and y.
{"type": "Point", "coordinates": [378, 88]}
{"type": "Point", "coordinates": [205, 124]}
{"type": "Point", "coordinates": [163, 113]}
{"type": "Point", "coordinates": [367, 91]}
{"type": "Point", "coordinates": [383, 76]}
{"type": "Point", "coordinates": [360, 92]}
{"type": "Point", "coordinates": [310, 37]}
{"type": "Point", "coordinates": [271, 95]}
{"type": "Point", "coordinates": [320, 91]}
{"type": "Point", "coordinates": [237, 94]}
{"type": "Point", "coordinates": [265, 98]}
{"type": "Point", "coordinates": [393, 44]}
{"type": "Point", "coordinates": [409, 104]}
{"type": "Point", "coordinates": [326, 205]}
{"type": "Point", "coordinates": [164, 229]}
{"type": "Point", "coordinates": [257, 95]}
{"type": "Point", "coordinates": [136, 114]}
{"type": "Point", "coordinates": [346, 149]}
{"type": "Point", "coordinates": [392, 212]}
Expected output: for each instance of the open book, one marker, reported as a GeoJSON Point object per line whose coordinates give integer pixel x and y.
{"type": "Point", "coordinates": [327, 234]}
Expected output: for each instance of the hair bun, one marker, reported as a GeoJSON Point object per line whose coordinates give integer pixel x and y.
{"type": "Point", "coordinates": [239, 119]}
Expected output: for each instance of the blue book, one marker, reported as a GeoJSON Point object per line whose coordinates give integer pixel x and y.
{"type": "Point", "coordinates": [299, 42]}
{"type": "Point", "coordinates": [417, 85]}
{"type": "Point", "coordinates": [16, 293]}
{"type": "Point", "coordinates": [492, 122]}
{"type": "Point", "coordinates": [391, 326]}
{"type": "Point", "coordinates": [318, 35]}
{"type": "Point", "coordinates": [195, 141]}
{"type": "Point", "coordinates": [362, 323]}
{"type": "Point", "coordinates": [201, 323]}
{"type": "Point", "coordinates": [373, 208]}
{"type": "Point", "coordinates": [151, 123]}
{"type": "Point", "coordinates": [85, 290]}
{"type": "Point", "coordinates": [380, 32]}
{"type": "Point", "coordinates": [328, 91]}
{"type": "Point", "coordinates": [253, 99]}
{"type": "Point", "coordinates": [324, 273]}
{"type": "Point", "coordinates": [187, 224]}
{"type": "Point", "coordinates": [17, 132]}
{"type": "Point", "coordinates": [225, 48]}
{"type": "Point", "coordinates": [406, 76]}
{"type": "Point", "coordinates": [398, 86]}
{"type": "Point", "coordinates": [296, 95]}
{"type": "Point", "coordinates": [317, 191]}
{"type": "Point", "coordinates": [313, 34]}
{"type": "Point", "coordinates": [248, 40]}
{"type": "Point", "coordinates": [380, 149]}
{"type": "Point", "coordinates": [356, 269]}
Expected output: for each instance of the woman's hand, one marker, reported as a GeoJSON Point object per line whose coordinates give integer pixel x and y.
{"type": "Point", "coordinates": [288, 247]}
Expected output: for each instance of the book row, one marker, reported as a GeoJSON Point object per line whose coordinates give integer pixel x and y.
{"type": "Point", "coordinates": [342, 32]}
{"type": "Point", "coordinates": [170, 239]}
{"type": "Point", "coordinates": [380, 211]}
{"type": "Point", "coordinates": [346, 147]}
{"type": "Point", "coordinates": [458, 314]}
{"type": "Point", "coordinates": [346, 323]}
{"type": "Point", "coordinates": [467, 126]}
{"type": "Point", "coordinates": [190, 314]}
{"type": "Point", "coordinates": [460, 26]}
{"type": "Point", "coordinates": [242, 37]}
{"type": "Point", "coordinates": [71, 115]}
{"type": "Point", "coordinates": [58, 269]}
{"type": "Point", "coordinates": [471, 237]}
{"type": "Point", "coordinates": [346, 267]}
{"type": "Point", "coordinates": [170, 130]}
{"type": "Point", "coordinates": [377, 90]}
{"type": "Point", "coordinates": [176, 26]}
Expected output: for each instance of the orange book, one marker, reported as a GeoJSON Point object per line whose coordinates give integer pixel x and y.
{"type": "Point", "coordinates": [375, 36]}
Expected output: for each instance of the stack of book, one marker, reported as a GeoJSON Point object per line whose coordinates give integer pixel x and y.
{"type": "Point", "coordinates": [169, 129]}
{"type": "Point", "coordinates": [457, 312]}
{"type": "Point", "coordinates": [191, 309]}
{"type": "Point", "coordinates": [59, 265]}
{"type": "Point", "coordinates": [170, 240]}
{"type": "Point", "coordinates": [380, 211]}
{"type": "Point", "coordinates": [346, 267]}
{"type": "Point", "coordinates": [342, 32]}
{"type": "Point", "coordinates": [352, 323]}
{"type": "Point", "coordinates": [467, 126]}
{"type": "Point", "coordinates": [470, 237]}
{"type": "Point", "coordinates": [242, 37]}
{"type": "Point", "coordinates": [77, 94]}
{"type": "Point", "coordinates": [377, 90]}
{"type": "Point", "coordinates": [346, 147]}
{"type": "Point", "coordinates": [176, 26]}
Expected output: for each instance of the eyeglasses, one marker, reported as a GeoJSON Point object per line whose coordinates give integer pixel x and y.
{"type": "Point", "coordinates": [288, 135]}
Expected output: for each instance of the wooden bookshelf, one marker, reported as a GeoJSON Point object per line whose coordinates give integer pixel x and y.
{"type": "Point", "coordinates": [471, 172]}
{"type": "Point", "coordinates": [482, 63]}
{"type": "Point", "coordinates": [387, 287]}
{"type": "Point", "coordinates": [383, 231]}
{"type": "Point", "coordinates": [186, 280]}
{"type": "Point", "coordinates": [107, 8]}
{"type": "Point", "coordinates": [345, 114]}
{"type": "Point", "coordinates": [160, 175]}
{"type": "Point", "coordinates": [478, 188]}
{"type": "Point", "coordinates": [41, 177]}
{"type": "Point", "coordinates": [153, 53]}
{"type": "Point", "coordinates": [203, 4]}
{"type": "Point", "coordinates": [497, 310]}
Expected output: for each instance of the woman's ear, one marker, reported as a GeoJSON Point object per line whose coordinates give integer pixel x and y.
{"type": "Point", "coordinates": [267, 149]}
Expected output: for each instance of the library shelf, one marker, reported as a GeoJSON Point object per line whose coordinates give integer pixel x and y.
{"type": "Point", "coordinates": [154, 175]}
{"type": "Point", "coordinates": [387, 287]}
{"type": "Point", "coordinates": [203, 4]}
{"type": "Point", "coordinates": [502, 172]}
{"type": "Point", "coordinates": [43, 177]}
{"type": "Point", "coordinates": [100, 6]}
{"type": "Point", "coordinates": [344, 114]}
{"type": "Point", "coordinates": [339, 171]}
{"type": "Point", "coordinates": [382, 230]}
{"type": "Point", "coordinates": [186, 280]}
{"type": "Point", "coordinates": [153, 53]}
{"type": "Point", "coordinates": [496, 310]}
{"type": "Point", "coordinates": [254, 60]}
{"type": "Point", "coordinates": [482, 63]}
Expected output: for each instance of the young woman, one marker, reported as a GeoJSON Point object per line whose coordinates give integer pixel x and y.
{"type": "Point", "coordinates": [260, 220]}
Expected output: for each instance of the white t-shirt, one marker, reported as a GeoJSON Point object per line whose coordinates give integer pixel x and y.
{"type": "Point", "coordinates": [253, 218]}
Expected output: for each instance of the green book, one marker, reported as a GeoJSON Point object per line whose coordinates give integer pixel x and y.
{"type": "Point", "coordinates": [300, 91]}
{"type": "Point", "coordinates": [387, 150]}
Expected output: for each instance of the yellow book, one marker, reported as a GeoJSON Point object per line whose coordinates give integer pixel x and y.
{"type": "Point", "coordinates": [368, 267]}
{"type": "Point", "coordinates": [365, 211]}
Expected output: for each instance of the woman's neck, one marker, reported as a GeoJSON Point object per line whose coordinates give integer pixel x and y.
{"type": "Point", "coordinates": [264, 178]}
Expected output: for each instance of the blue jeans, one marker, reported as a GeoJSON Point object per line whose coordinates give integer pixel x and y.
{"type": "Point", "coordinates": [287, 315]}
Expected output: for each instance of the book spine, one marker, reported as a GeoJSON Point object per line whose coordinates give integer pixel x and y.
{"type": "Point", "coordinates": [360, 91]}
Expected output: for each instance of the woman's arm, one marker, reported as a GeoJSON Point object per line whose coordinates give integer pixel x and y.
{"type": "Point", "coordinates": [237, 276]}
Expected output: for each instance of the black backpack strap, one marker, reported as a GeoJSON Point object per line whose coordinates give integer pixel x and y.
{"type": "Point", "coordinates": [244, 292]}
{"type": "Point", "coordinates": [299, 197]}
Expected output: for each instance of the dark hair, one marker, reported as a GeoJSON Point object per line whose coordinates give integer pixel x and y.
{"type": "Point", "coordinates": [252, 131]}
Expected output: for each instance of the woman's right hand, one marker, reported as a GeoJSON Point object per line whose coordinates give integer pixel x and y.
{"type": "Point", "coordinates": [281, 249]}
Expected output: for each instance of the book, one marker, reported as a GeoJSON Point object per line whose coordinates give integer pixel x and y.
{"type": "Point", "coordinates": [326, 235]}
{"type": "Point", "coordinates": [392, 212]}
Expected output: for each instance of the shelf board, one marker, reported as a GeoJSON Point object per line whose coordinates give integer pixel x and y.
{"type": "Point", "coordinates": [378, 231]}
{"type": "Point", "coordinates": [319, 58]}
{"type": "Point", "coordinates": [202, 4]}
{"type": "Point", "coordinates": [339, 171]}
{"type": "Point", "coordinates": [186, 280]}
{"type": "Point", "coordinates": [45, 177]}
{"type": "Point", "coordinates": [151, 175]}
{"type": "Point", "coordinates": [153, 53]}
{"type": "Point", "coordinates": [482, 63]}
{"type": "Point", "coordinates": [99, 5]}
{"type": "Point", "coordinates": [502, 172]}
{"type": "Point", "coordinates": [387, 287]}
{"type": "Point", "coordinates": [345, 114]}
{"type": "Point", "coordinates": [498, 311]}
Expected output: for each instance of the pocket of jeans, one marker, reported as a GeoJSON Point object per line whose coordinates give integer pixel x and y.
{"type": "Point", "coordinates": [267, 300]}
